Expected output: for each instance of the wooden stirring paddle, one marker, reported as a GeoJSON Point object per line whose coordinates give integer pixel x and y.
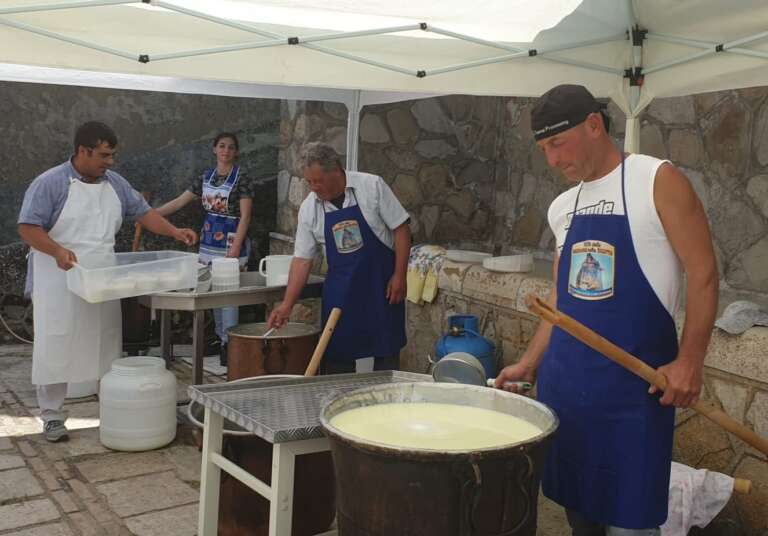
{"type": "Point", "coordinates": [325, 337]}
{"type": "Point", "coordinates": [633, 364]}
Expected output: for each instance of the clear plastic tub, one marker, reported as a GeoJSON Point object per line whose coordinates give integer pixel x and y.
{"type": "Point", "coordinates": [100, 278]}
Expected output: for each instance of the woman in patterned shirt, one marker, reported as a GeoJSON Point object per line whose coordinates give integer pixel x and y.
{"type": "Point", "coordinates": [227, 197]}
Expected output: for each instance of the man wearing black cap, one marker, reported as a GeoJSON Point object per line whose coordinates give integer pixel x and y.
{"type": "Point", "coordinates": [640, 221]}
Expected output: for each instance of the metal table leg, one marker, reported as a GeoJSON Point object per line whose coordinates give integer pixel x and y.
{"type": "Point", "coordinates": [210, 475]}
{"type": "Point", "coordinates": [281, 507]}
{"type": "Point", "coordinates": [198, 346]}
{"type": "Point", "coordinates": [165, 335]}
{"type": "Point", "coordinates": [283, 467]}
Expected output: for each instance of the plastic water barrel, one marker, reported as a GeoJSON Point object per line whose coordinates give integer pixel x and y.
{"type": "Point", "coordinates": [137, 402]}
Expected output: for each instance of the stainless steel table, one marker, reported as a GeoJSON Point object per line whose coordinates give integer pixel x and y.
{"type": "Point", "coordinates": [253, 290]}
{"type": "Point", "coordinates": [284, 412]}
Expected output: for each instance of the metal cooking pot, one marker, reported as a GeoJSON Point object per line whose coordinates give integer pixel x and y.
{"type": "Point", "coordinates": [287, 350]}
{"type": "Point", "coordinates": [491, 492]}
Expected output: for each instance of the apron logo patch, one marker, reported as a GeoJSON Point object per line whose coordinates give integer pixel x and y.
{"type": "Point", "coordinates": [216, 200]}
{"type": "Point", "coordinates": [347, 236]}
{"type": "Point", "coordinates": [591, 274]}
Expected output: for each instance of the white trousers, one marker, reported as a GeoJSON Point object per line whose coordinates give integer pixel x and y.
{"type": "Point", "coordinates": [50, 398]}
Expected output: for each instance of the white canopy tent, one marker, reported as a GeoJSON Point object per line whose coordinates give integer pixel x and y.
{"type": "Point", "coordinates": [369, 51]}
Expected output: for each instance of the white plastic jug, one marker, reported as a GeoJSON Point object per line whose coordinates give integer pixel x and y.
{"type": "Point", "coordinates": [137, 403]}
{"type": "Point", "coordinates": [277, 270]}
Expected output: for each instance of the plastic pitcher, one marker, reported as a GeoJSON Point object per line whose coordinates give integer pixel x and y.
{"type": "Point", "coordinates": [277, 268]}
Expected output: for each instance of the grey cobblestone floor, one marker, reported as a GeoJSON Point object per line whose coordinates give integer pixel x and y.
{"type": "Point", "coordinates": [79, 487]}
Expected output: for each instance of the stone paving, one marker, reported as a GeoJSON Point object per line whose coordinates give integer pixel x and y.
{"type": "Point", "coordinates": [79, 487]}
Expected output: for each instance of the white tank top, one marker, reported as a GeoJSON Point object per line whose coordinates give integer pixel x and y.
{"type": "Point", "coordinates": [657, 259]}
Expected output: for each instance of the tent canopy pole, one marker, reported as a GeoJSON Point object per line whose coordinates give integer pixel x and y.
{"type": "Point", "coordinates": [353, 131]}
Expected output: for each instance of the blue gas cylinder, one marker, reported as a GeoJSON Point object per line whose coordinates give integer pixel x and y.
{"type": "Point", "coordinates": [464, 337]}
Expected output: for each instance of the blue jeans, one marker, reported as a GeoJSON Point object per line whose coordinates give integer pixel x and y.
{"type": "Point", "coordinates": [225, 318]}
{"type": "Point", "coordinates": [583, 527]}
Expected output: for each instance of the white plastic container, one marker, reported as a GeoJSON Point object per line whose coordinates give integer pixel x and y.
{"type": "Point", "coordinates": [137, 403]}
{"type": "Point", "coordinates": [99, 278]}
{"type": "Point", "coordinates": [520, 262]}
{"type": "Point", "coordinates": [225, 273]}
{"type": "Point", "coordinates": [277, 268]}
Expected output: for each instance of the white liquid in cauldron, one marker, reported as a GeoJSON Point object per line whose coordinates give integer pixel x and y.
{"type": "Point", "coordinates": [434, 426]}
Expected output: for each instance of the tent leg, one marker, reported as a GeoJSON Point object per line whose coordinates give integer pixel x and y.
{"type": "Point", "coordinates": [632, 135]}
{"type": "Point", "coordinates": [353, 131]}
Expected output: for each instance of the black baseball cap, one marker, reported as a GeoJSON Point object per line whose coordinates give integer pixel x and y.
{"type": "Point", "coordinates": [561, 108]}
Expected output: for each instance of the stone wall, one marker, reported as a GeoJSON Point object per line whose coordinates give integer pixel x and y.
{"type": "Point", "coordinates": [467, 169]}
{"type": "Point", "coordinates": [164, 143]}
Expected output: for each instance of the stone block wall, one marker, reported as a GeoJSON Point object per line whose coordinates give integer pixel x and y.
{"type": "Point", "coordinates": [164, 142]}
{"type": "Point", "coordinates": [468, 171]}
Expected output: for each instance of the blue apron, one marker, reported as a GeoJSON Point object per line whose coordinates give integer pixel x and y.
{"type": "Point", "coordinates": [359, 269]}
{"type": "Point", "coordinates": [219, 228]}
{"type": "Point", "coordinates": [610, 460]}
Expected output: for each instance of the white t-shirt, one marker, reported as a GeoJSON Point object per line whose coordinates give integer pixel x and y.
{"type": "Point", "coordinates": [381, 210]}
{"type": "Point", "coordinates": [655, 255]}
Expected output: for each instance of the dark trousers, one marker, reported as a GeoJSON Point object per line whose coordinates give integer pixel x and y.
{"type": "Point", "coordinates": [345, 367]}
{"type": "Point", "coordinates": [584, 527]}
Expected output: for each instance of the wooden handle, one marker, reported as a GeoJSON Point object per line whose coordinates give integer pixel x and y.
{"type": "Point", "coordinates": [742, 486]}
{"type": "Point", "coordinates": [325, 337]}
{"type": "Point", "coordinates": [633, 364]}
{"type": "Point", "coordinates": [139, 227]}
{"type": "Point", "coordinates": [137, 237]}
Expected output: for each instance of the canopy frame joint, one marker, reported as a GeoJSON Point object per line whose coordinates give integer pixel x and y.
{"type": "Point", "coordinates": [638, 36]}
{"type": "Point", "coordinates": [635, 75]}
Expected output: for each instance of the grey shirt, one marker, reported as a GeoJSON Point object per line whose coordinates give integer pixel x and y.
{"type": "Point", "coordinates": [45, 198]}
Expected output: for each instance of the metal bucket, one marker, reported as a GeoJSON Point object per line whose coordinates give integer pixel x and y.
{"type": "Point", "coordinates": [243, 511]}
{"type": "Point", "coordinates": [286, 351]}
{"type": "Point", "coordinates": [384, 490]}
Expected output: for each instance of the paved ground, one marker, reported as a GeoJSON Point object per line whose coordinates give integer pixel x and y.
{"type": "Point", "coordinates": [79, 487]}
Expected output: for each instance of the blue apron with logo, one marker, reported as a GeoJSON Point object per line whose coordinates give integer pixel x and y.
{"type": "Point", "coordinates": [359, 269]}
{"type": "Point", "coordinates": [610, 459]}
{"type": "Point", "coordinates": [219, 228]}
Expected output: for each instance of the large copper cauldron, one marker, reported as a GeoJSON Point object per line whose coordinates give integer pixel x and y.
{"type": "Point", "coordinates": [384, 490]}
{"type": "Point", "coordinates": [286, 351]}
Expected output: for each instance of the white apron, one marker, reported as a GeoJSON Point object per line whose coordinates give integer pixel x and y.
{"type": "Point", "coordinates": [76, 341]}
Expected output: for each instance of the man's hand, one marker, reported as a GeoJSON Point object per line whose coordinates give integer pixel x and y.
{"type": "Point", "coordinates": [684, 383]}
{"type": "Point", "coordinates": [65, 258]}
{"type": "Point", "coordinates": [279, 316]}
{"type": "Point", "coordinates": [187, 236]}
{"type": "Point", "coordinates": [396, 289]}
{"type": "Point", "coordinates": [520, 371]}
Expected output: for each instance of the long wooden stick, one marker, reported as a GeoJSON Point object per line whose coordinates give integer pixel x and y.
{"type": "Point", "coordinates": [630, 362]}
{"type": "Point", "coordinates": [139, 227]}
{"type": "Point", "coordinates": [325, 337]}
